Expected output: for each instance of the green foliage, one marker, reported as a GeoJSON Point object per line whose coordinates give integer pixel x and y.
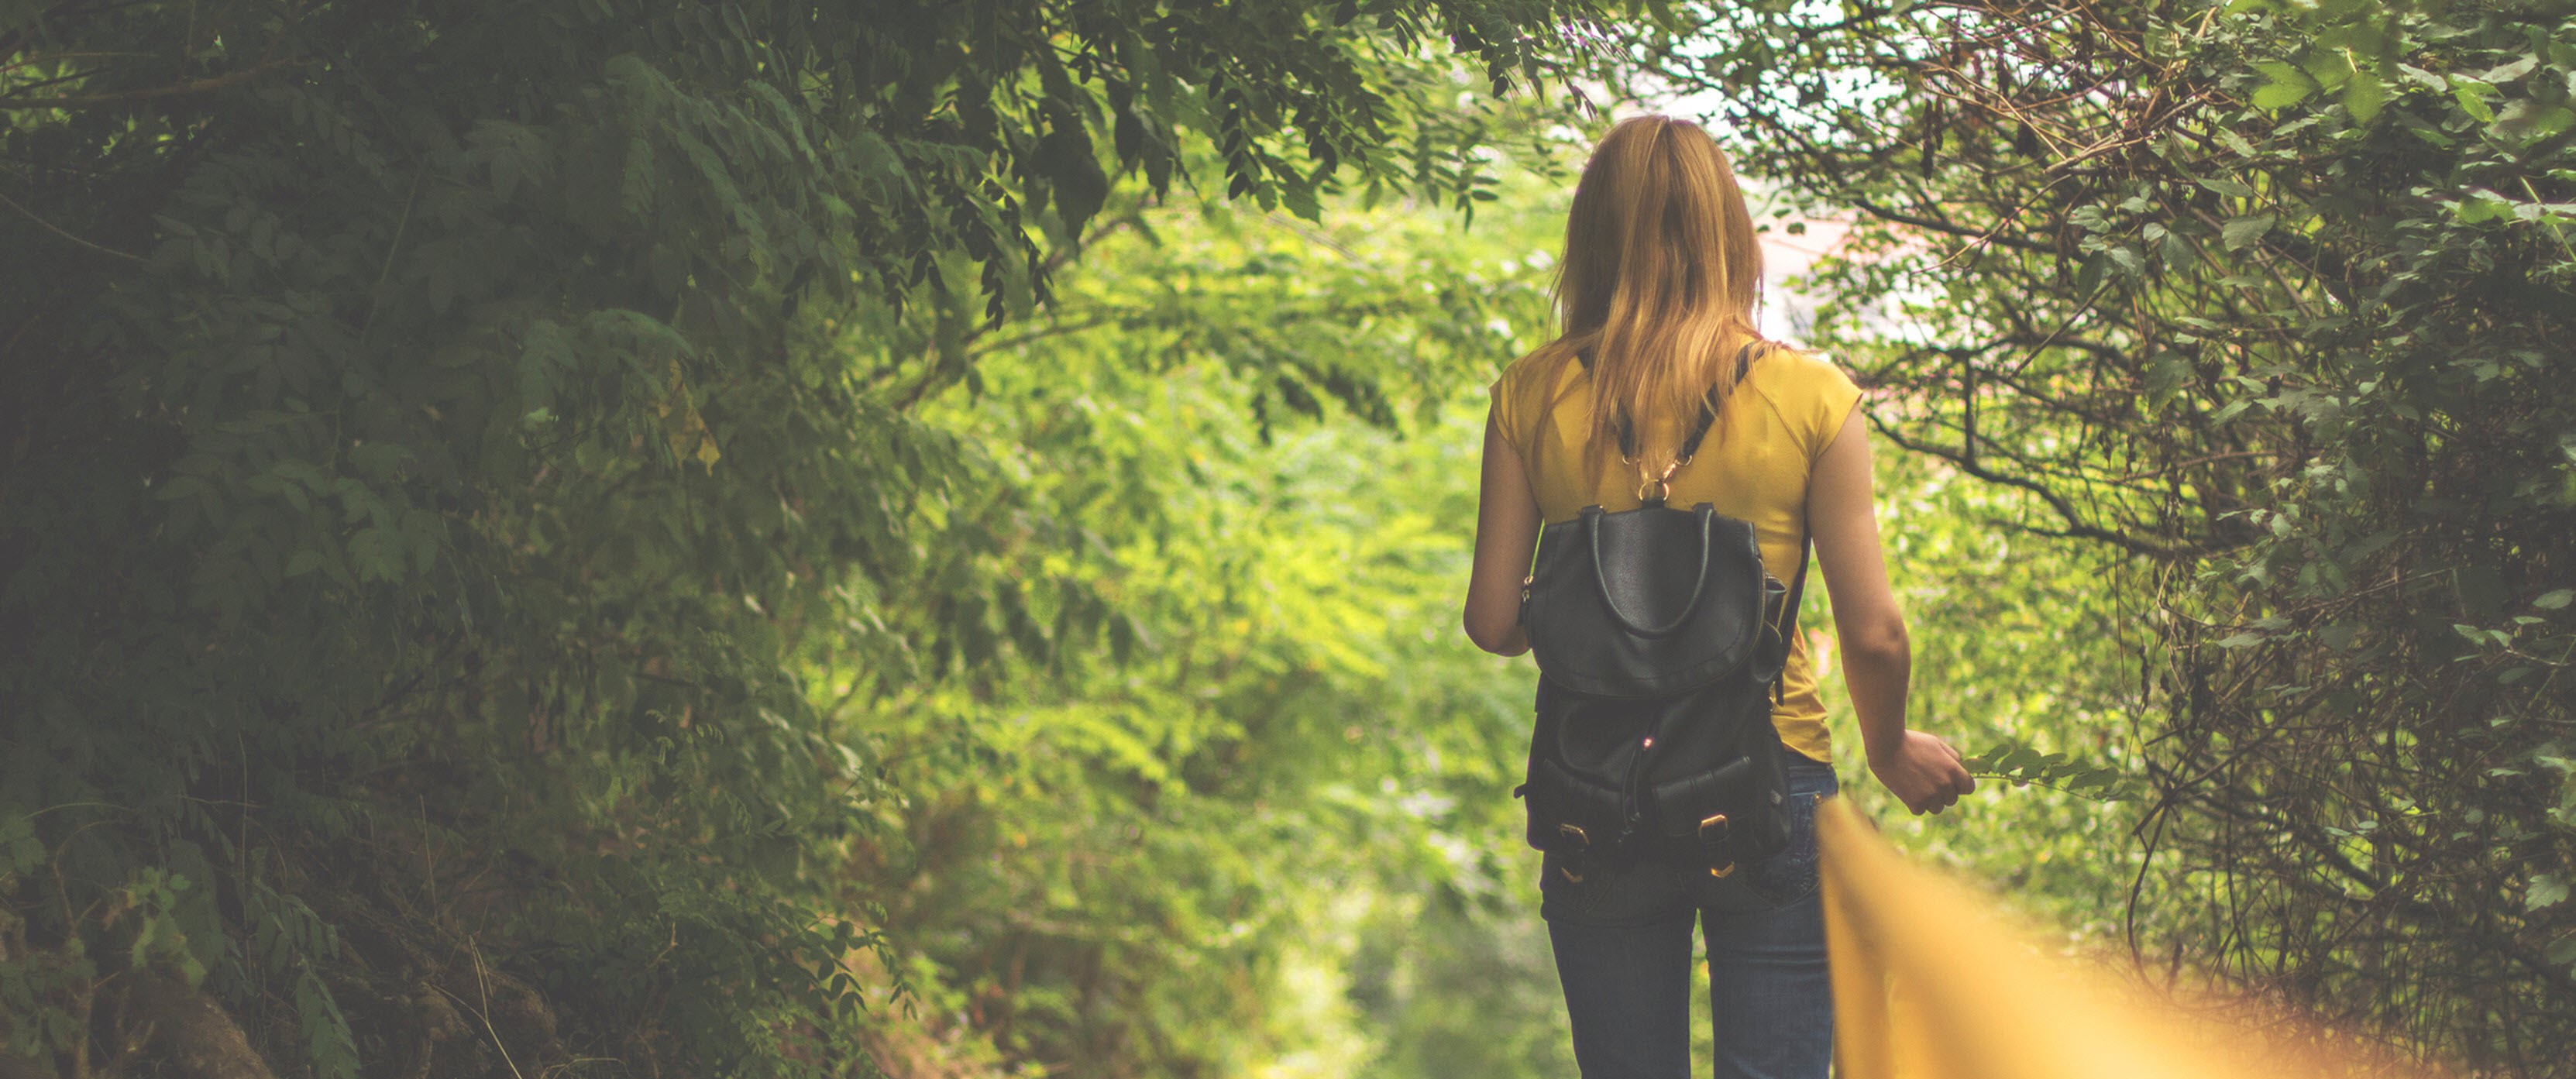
{"type": "Point", "coordinates": [469, 489]}
{"type": "Point", "coordinates": [1128, 854]}
{"type": "Point", "coordinates": [2269, 299]}
{"type": "Point", "coordinates": [2022, 766]}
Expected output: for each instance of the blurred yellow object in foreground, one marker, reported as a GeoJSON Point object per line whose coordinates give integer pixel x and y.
{"type": "Point", "coordinates": [1929, 984]}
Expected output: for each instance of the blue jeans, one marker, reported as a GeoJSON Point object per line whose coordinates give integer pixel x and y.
{"type": "Point", "coordinates": [1623, 954]}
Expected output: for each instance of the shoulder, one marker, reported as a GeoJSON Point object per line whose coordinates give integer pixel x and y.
{"type": "Point", "coordinates": [1811, 394]}
{"type": "Point", "coordinates": [1544, 369]}
{"type": "Point", "coordinates": [1796, 380]}
{"type": "Point", "coordinates": [1785, 369]}
{"type": "Point", "coordinates": [1531, 384]}
{"type": "Point", "coordinates": [1527, 390]}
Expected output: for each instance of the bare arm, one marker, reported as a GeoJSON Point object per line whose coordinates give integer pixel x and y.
{"type": "Point", "coordinates": [1507, 523]}
{"type": "Point", "coordinates": [1919, 768]}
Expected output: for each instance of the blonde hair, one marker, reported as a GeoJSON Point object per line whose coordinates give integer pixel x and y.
{"type": "Point", "coordinates": [1658, 285]}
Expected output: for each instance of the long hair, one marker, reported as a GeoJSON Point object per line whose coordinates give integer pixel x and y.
{"type": "Point", "coordinates": [1658, 284]}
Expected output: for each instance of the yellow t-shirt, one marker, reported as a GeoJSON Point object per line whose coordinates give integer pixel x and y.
{"type": "Point", "coordinates": [1752, 466]}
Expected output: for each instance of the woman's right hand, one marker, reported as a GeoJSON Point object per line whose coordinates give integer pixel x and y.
{"type": "Point", "coordinates": [1922, 771]}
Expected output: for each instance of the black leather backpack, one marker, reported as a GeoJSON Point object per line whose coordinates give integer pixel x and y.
{"type": "Point", "coordinates": [1659, 638]}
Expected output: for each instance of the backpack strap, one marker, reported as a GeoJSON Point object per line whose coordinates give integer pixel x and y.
{"type": "Point", "coordinates": [1788, 627]}
{"type": "Point", "coordinates": [1699, 428]}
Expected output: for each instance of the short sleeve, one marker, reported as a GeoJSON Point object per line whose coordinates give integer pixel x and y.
{"type": "Point", "coordinates": [1507, 410]}
{"type": "Point", "coordinates": [1826, 398]}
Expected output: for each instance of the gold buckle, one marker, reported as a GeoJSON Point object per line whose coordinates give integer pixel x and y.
{"type": "Point", "coordinates": [1717, 821]}
{"type": "Point", "coordinates": [1582, 843]}
{"type": "Point", "coordinates": [1713, 820]}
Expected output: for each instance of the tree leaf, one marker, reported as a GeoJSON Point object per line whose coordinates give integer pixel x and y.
{"type": "Point", "coordinates": [2363, 96]}
{"type": "Point", "coordinates": [2285, 85]}
{"type": "Point", "coordinates": [2240, 232]}
{"type": "Point", "coordinates": [2546, 890]}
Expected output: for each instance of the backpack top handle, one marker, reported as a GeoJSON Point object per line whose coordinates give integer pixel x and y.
{"type": "Point", "coordinates": [1600, 576]}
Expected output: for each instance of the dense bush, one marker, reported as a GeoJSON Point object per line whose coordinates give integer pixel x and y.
{"type": "Point", "coordinates": [464, 465]}
{"type": "Point", "coordinates": [2273, 300]}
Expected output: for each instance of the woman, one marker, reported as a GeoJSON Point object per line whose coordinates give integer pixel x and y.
{"type": "Point", "coordinates": [1656, 295]}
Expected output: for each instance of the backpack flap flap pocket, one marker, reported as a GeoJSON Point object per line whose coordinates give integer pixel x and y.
{"type": "Point", "coordinates": [1726, 815]}
{"type": "Point", "coordinates": [1569, 814]}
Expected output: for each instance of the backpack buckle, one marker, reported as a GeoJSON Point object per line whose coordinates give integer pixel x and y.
{"type": "Point", "coordinates": [1717, 821]}
{"type": "Point", "coordinates": [1572, 845]}
{"type": "Point", "coordinates": [1724, 830]}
